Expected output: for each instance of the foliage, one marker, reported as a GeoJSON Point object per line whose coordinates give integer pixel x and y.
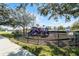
{"type": "Point", "coordinates": [17, 33]}
{"type": "Point", "coordinates": [61, 28]}
{"type": "Point", "coordinates": [75, 26]}
{"type": "Point", "coordinates": [35, 49]}
{"type": "Point", "coordinates": [22, 18]}
{"type": "Point", "coordinates": [1, 29]}
{"type": "Point", "coordinates": [4, 11]}
{"type": "Point", "coordinates": [15, 17]}
{"type": "Point", "coordinates": [4, 14]}
{"type": "Point", "coordinates": [6, 34]}
{"type": "Point", "coordinates": [49, 28]}
{"type": "Point", "coordinates": [47, 50]}
{"type": "Point", "coordinates": [57, 10]}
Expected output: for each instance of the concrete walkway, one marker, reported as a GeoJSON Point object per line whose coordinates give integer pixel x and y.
{"type": "Point", "coordinates": [8, 48]}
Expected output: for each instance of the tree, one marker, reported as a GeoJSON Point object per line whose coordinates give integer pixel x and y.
{"type": "Point", "coordinates": [57, 10]}
{"type": "Point", "coordinates": [61, 28]}
{"type": "Point", "coordinates": [4, 14]}
{"type": "Point", "coordinates": [21, 18]}
{"type": "Point", "coordinates": [37, 25]}
{"type": "Point", "coordinates": [75, 25]}
{"type": "Point", "coordinates": [15, 17]}
{"type": "Point", "coordinates": [49, 28]}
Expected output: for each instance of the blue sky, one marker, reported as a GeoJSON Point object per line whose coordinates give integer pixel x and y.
{"type": "Point", "coordinates": [43, 20]}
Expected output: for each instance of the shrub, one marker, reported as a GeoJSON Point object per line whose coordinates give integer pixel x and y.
{"type": "Point", "coordinates": [17, 33]}
{"type": "Point", "coordinates": [7, 34]}
{"type": "Point", "coordinates": [33, 49]}
{"type": "Point", "coordinates": [36, 49]}
{"type": "Point", "coordinates": [48, 50]}
{"type": "Point", "coordinates": [76, 51]}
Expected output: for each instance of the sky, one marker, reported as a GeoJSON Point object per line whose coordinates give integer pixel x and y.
{"type": "Point", "coordinates": [43, 20]}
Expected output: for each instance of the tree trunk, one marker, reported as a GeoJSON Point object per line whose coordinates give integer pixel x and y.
{"type": "Point", "coordinates": [27, 35]}
{"type": "Point", "coordinates": [24, 32]}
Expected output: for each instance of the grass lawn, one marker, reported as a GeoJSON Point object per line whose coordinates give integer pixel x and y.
{"type": "Point", "coordinates": [6, 34]}
{"type": "Point", "coordinates": [3, 32]}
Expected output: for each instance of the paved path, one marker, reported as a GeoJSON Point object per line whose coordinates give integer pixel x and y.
{"type": "Point", "coordinates": [8, 48]}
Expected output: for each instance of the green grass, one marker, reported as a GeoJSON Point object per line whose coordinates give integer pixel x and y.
{"type": "Point", "coordinates": [3, 32]}
{"type": "Point", "coordinates": [6, 34]}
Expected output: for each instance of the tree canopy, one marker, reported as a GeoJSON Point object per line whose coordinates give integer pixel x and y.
{"type": "Point", "coordinates": [57, 10]}
{"type": "Point", "coordinates": [16, 17]}
{"type": "Point", "coordinates": [4, 14]}
{"type": "Point", "coordinates": [54, 10]}
{"type": "Point", "coordinates": [75, 25]}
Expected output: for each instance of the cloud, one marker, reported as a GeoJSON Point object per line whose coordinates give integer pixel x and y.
{"type": "Point", "coordinates": [39, 19]}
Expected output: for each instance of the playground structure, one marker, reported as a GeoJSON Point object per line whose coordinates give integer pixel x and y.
{"type": "Point", "coordinates": [42, 32]}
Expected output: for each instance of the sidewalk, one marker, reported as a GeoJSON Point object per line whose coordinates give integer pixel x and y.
{"type": "Point", "coordinates": [8, 48]}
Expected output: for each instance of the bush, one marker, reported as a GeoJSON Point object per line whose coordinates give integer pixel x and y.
{"type": "Point", "coordinates": [17, 33]}
{"type": "Point", "coordinates": [7, 34]}
{"type": "Point", "coordinates": [35, 49]}
{"type": "Point", "coordinates": [76, 51]}
{"type": "Point", "coordinates": [48, 50]}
